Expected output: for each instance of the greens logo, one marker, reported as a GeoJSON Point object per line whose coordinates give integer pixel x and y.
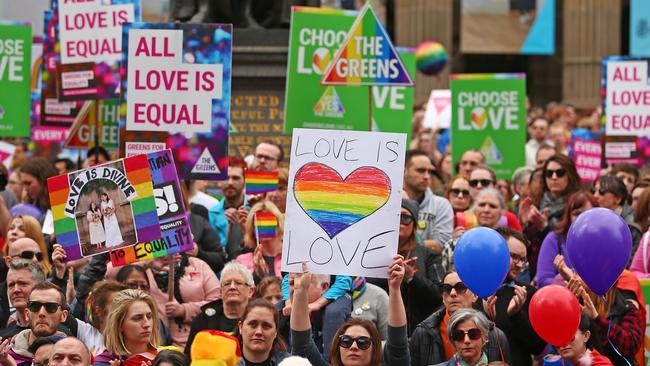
{"type": "Point", "coordinates": [480, 110]}
{"type": "Point", "coordinates": [329, 104]}
{"type": "Point", "coordinates": [491, 152]}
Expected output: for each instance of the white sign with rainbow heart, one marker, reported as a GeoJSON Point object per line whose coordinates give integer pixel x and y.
{"type": "Point", "coordinates": [344, 201]}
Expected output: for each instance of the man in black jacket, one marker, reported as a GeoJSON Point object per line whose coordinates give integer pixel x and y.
{"type": "Point", "coordinates": [430, 344]}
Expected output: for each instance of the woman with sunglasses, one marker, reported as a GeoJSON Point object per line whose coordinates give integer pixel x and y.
{"type": "Point", "coordinates": [483, 177]}
{"type": "Point", "coordinates": [458, 195]}
{"type": "Point", "coordinates": [357, 342]}
{"type": "Point", "coordinates": [611, 193]}
{"type": "Point", "coordinates": [541, 212]}
{"type": "Point", "coordinates": [553, 250]}
{"type": "Point", "coordinates": [423, 270]}
{"type": "Point", "coordinates": [468, 330]}
{"type": "Point", "coordinates": [258, 335]}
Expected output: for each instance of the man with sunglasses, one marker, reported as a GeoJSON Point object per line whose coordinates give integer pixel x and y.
{"type": "Point", "coordinates": [46, 310]}
{"type": "Point", "coordinates": [436, 217]}
{"type": "Point", "coordinates": [430, 344]}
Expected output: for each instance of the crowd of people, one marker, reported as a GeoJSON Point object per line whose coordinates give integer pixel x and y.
{"type": "Point", "coordinates": [229, 301]}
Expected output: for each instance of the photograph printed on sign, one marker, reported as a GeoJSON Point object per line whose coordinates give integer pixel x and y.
{"type": "Point", "coordinates": [102, 208]}
{"type": "Point", "coordinates": [343, 201]}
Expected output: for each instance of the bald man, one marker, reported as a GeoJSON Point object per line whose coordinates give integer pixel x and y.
{"type": "Point", "coordinates": [70, 351]}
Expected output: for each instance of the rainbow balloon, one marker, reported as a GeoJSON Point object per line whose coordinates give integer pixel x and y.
{"type": "Point", "coordinates": [266, 225]}
{"type": "Point", "coordinates": [335, 203]}
{"type": "Point", "coordinates": [431, 57]}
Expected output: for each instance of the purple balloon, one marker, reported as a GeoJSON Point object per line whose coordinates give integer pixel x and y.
{"type": "Point", "coordinates": [599, 244]}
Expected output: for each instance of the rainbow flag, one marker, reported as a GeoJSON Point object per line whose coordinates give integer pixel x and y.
{"type": "Point", "coordinates": [258, 181]}
{"type": "Point", "coordinates": [266, 225]}
{"type": "Point", "coordinates": [367, 56]}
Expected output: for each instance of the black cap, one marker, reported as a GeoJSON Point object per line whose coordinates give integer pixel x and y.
{"type": "Point", "coordinates": [412, 207]}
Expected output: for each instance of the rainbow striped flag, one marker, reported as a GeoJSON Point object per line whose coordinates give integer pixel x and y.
{"type": "Point", "coordinates": [367, 56]}
{"type": "Point", "coordinates": [266, 225]}
{"type": "Point", "coordinates": [258, 181]}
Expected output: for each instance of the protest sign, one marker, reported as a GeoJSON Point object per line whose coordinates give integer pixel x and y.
{"type": "Point", "coordinates": [367, 56]}
{"type": "Point", "coordinates": [626, 109]}
{"type": "Point", "coordinates": [585, 148]}
{"type": "Point", "coordinates": [102, 115]}
{"type": "Point", "coordinates": [176, 91]}
{"type": "Point", "coordinates": [438, 112]}
{"type": "Point", "coordinates": [15, 66]}
{"type": "Point", "coordinates": [489, 115]}
{"type": "Point", "coordinates": [174, 223]}
{"type": "Point", "coordinates": [103, 208]}
{"type": "Point", "coordinates": [6, 153]}
{"type": "Point", "coordinates": [316, 35]}
{"type": "Point", "coordinates": [90, 33]}
{"type": "Point", "coordinates": [626, 103]}
{"type": "Point", "coordinates": [344, 201]}
{"type": "Point", "coordinates": [56, 115]}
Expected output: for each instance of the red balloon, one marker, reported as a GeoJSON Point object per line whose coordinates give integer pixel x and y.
{"type": "Point", "coordinates": [554, 313]}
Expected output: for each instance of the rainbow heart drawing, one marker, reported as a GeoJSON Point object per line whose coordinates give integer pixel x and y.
{"type": "Point", "coordinates": [335, 203]}
{"type": "Point", "coordinates": [478, 118]}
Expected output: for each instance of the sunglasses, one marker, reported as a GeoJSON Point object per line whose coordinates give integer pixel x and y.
{"type": "Point", "coordinates": [460, 288]}
{"type": "Point", "coordinates": [457, 192]}
{"type": "Point", "coordinates": [473, 334]}
{"type": "Point", "coordinates": [28, 254]}
{"type": "Point", "coordinates": [405, 219]}
{"type": "Point", "coordinates": [50, 307]}
{"type": "Point", "coordinates": [363, 342]}
{"type": "Point", "coordinates": [548, 173]}
{"type": "Point", "coordinates": [601, 191]}
{"type": "Point", "coordinates": [484, 182]}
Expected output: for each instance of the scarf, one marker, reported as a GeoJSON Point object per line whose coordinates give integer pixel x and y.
{"type": "Point", "coordinates": [358, 286]}
{"type": "Point", "coordinates": [482, 362]}
{"type": "Point", "coordinates": [555, 208]}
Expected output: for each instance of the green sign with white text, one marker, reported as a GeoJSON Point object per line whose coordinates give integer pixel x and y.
{"type": "Point", "coordinates": [489, 115]}
{"type": "Point", "coordinates": [15, 68]}
{"type": "Point", "coordinates": [316, 34]}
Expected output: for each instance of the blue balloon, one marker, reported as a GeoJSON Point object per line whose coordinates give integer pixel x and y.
{"type": "Point", "coordinates": [599, 244]}
{"type": "Point", "coordinates": [482, 260]}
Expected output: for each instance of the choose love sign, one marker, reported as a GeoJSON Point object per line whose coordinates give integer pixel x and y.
{"type": "Point", "coordinates": [489, 115]}
{"type": "Point", "coordinates": [344, 201]}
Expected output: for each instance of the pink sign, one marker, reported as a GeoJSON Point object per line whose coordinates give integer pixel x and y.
{"type": "Point", "coordinates": [587, 157]}
{"type": "Point", "coordinates": [46, 134]}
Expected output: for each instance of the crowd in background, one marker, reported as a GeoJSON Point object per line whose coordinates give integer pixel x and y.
{"type": "Point", "coordinates": [230, 292]}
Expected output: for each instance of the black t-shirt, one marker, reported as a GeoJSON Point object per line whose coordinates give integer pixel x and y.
{"type": "Point", "coordinates": [267, 362]}
{"type": "Point", "coordinates": [227, 325]}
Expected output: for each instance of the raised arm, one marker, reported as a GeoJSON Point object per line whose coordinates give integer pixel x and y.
{"type": "Point", "coordinates": [396, 351]}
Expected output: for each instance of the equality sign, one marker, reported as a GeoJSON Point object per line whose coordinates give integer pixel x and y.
{"type": "Point", "coordinates": [90, 33]}
{"type": "Point", "coordinates": [367, 56]}
{"type": "Point", "coordinates": [104, 208]}
{"type": "Point", "coordinates": [56, 115]}
{"type": "Point", "coordinates": [316, 35]}
{"type": "Point", "coordinates": [176, 91]}
{"type": "Point", "coordinates": [489, 115]}
{"type": "Point", "coordinates": [438, 112]}
{"type": "Point", "coordinates": [585, 149]}
{"type": "Point", "coordinates": [626, 103]}
{"type": "Point", "coordinates": [174, 223]}
{"type": "Point", "coordinates": [15, 66]}
{"type": "Point", "coordinates": [102, 115]}
{"type": "Point", "coordinates": [344, 201]}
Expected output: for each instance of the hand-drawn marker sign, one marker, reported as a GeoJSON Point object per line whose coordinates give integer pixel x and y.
{"type": "Point", "coordinates": [335, 203]}
{"type": "Point", "coordinates": [344, 201]}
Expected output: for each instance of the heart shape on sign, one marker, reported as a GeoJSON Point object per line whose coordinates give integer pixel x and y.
{"type": "Point", "coordinates": [335, 203]}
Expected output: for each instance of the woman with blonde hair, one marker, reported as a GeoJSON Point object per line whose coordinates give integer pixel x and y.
{"type": "Point", "coordinates": [131, 331]}
{"type": "Point", "coordinates": [24, 226]}
{"type": "Point", "coordinates": [264, 256]}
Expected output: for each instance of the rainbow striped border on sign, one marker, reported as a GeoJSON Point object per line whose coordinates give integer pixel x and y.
{"type": "Point", "coordinates": [143, 205]}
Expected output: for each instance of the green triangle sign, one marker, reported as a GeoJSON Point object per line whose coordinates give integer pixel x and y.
{"type": "Point", "coordinates": [491, 152]}
{"type": "Point", "coordinates": [367, 56]}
